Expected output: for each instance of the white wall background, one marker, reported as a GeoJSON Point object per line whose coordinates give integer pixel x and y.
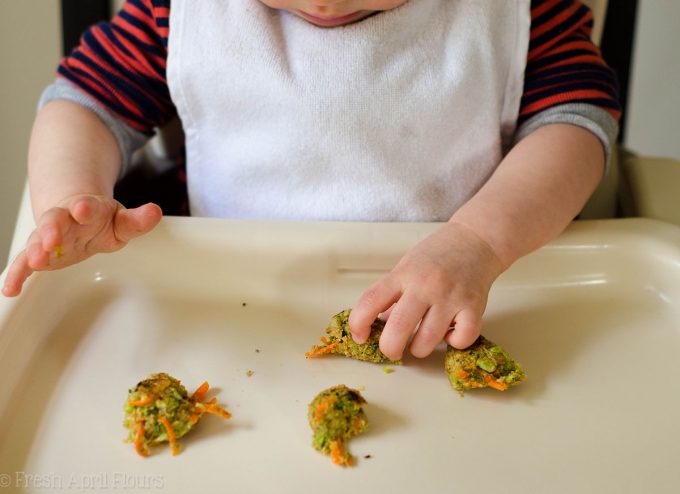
{"type": "Point", "coordinates": [30, 45]}
{"type": "Point", "coordinates": [653, 120]}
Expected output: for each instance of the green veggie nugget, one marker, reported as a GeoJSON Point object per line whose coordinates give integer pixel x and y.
{"type": "Point", "coordinates": [159, 409]}
{"type": "Point", "coordinates": [482, 364]}
{"type": "Point", "coordinates": [336, 415]}
{"type": "Point", "coordinates": [340, 341]}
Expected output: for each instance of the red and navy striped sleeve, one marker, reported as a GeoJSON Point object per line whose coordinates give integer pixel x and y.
{"type": "Point", "coordinates": [122, 63]}
{"type": "Point", "coordinates": [563, 65]}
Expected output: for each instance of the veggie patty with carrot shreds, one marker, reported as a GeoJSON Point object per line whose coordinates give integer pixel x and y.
{"type": "Point", "coordinates": [340, 342]}
{"type": "Point", "coordinates": [159, 409]}
{"type": "Point", "coordinates": [483, 364]}
{"type": "Point", "coordinates": [336, 415]}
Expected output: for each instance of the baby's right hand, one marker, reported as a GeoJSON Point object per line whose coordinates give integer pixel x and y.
{"type": "Point", "coordinates": [79, 227]}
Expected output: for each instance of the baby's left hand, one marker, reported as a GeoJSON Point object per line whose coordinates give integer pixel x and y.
{"type": "Point", "coordinates": [442, 284]}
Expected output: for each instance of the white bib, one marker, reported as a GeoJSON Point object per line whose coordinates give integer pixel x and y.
{"type": "Point", "coordinates": [399, 117]}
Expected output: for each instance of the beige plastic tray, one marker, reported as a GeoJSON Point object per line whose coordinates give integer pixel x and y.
{"type": "Point", "coordinates": [594, 318]}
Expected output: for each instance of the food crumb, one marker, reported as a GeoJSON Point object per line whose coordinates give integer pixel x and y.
{"type": "Point", "coordinates": [58, 251]}
{"type": "Point", "coordinates": [243, 304]}
{"type": "Point", "coordinates": [362, 388]}
{"type": "Point", "coordinates": [388, 370]}
{"type": "Point", "coordinates": [367, 457]}
{"type": "Point", "coordinates": [257, 350]}
{"type": "Point", "coordinates": [249, 373]}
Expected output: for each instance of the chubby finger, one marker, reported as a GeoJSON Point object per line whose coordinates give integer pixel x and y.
{"type": "Point", "coordinates": [17, 274]}
{"type": "Point", "coordinates": [431, 331]}
{"type": "Point", "coordinates": [384, 315]}
{"type": "Point", "coordinates": [90, 209]}
{"type": "Point", "coordinates": [82, 209]}
{"type": "Point", "coordinates": [37, 257]}
{"type": "Point", "coordinates": [377, 298]}
{"type": "Point", "coordinates": [52, 227]}
{"type": "Point", "coordinates": [401, 324]}
{"type": "Point", "coordinates": [131, 223]}
{"type": "Point", "coordinates": [466, 328]}
{"type": "Point", "coordinates": [36, 251]}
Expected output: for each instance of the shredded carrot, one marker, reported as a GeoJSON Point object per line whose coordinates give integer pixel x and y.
{"type": "Point", "coordinates": [323, 405]}
{"type": "Point", "coordinates": [200, 392]}
{"type": "Point", "coordinates": [461, 374]}
{"type": "Point", "coordinates": [194, 418]}
{"type": "Point", "coordinates": [212, 407]}
{"type": "Point", "coordinates": [141, 402]}
{"type": "Point", "coordinates": [356, 424]}
{"type": "Point", "coordinates": [171, 435]}
{"type": "Point", "coordinates": [215, 410]}
{"type": "Point", "coordinates": [139, 440]}
{"type": "Point", "coordinates": [338, 455]}
{"type": "Point", "coordinates": [321, 350]}
{"type": "Point", "coordinates": [495, 384]}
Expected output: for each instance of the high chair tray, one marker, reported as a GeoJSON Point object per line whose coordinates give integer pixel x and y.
{"type": "Point", "coordinates": [594, 318]}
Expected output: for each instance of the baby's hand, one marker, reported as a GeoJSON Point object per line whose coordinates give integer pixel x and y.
{"type": "Point", "coordinates": [443, 284]}
{"type": "Point", "coordinates": [76, 229]}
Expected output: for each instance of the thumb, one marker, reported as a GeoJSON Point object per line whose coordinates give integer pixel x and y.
{"type": "Point", "coordinates": [131, 223]}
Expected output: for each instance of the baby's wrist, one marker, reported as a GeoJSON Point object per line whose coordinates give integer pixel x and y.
{"type": "Point", "coordinates": [496, 259]}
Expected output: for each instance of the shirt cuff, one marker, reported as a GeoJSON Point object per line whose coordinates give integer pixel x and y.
{"type": "Point", "coordinates": [128, 139]}
{"type": "Point", "coordinates": [590, 117]}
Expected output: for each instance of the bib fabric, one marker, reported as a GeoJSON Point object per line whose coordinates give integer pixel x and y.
{"type": "Point", "coordinates": [401, 116]}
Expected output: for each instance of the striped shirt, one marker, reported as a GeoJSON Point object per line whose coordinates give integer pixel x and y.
{"type": "Point", "coordinates": [122, 63]}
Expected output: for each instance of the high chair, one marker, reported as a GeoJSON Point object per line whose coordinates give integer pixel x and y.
{"type": "Point", "coordinates": [634, 185]}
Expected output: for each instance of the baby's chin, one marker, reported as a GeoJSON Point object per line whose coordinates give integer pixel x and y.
{"type": "Point", "coordinates": [334, 21]}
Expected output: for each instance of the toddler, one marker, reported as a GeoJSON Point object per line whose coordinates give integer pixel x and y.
{"type": "Point", "coordinates": [492, 117]}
